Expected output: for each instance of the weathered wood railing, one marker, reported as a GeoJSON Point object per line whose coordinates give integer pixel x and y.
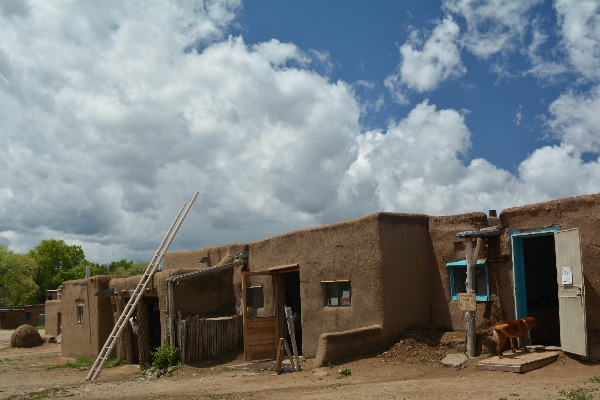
{"type": "Point", "coordinates": [206, 338]}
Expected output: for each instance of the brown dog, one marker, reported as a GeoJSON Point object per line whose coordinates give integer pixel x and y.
{"type": "Point", "coordinates": [512, 330]}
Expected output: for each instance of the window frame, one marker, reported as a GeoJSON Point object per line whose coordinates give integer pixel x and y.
{"type": "Point", "coordinates": [79, 313]}
{"type": "Point", "coordinates": [463, 264]}
{"type": "Point", "coordinates": [339, 283]}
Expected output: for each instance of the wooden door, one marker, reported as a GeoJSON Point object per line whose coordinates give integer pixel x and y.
{"type": "Point", "coordinates": [260, 315]}
{"type": "Point", "coordinates": [571, 292]}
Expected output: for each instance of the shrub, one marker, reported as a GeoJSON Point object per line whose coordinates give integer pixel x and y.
{"type": "Point", "coordinates": [165, 356]}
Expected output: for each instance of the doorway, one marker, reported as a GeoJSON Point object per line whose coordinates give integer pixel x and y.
{"type": "Point", "coordinates": [548, 284]}
{"type": "Point", "coordinates": [154, 323]}
{"type": "Point", "coordinates": [541, 289]}
{"type": "Point", "coordinates": [291, 298]}
{"type": "Point", "coordinates": [59, 324]}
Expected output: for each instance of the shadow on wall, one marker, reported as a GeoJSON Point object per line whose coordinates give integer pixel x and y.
{"type": "Point", "coordinates": [592, 302]}
{"type": "Point", "coordinates": [439, 313]}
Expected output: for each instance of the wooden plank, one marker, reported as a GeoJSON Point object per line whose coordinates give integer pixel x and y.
{"type": "Point", "coordinates": [519, 362]}
{"type": "Point", "coordinates": [279, 357]}
{"type": "Point", "coordinates": [294, 365]}
{"type": "Point", "coordinates": [260, 322]}
{"type": "Point", "coordinates": [261, 341]}
{"type": "Point", "coordinates": [287, 268]}
{"type": "Point", "coordinates": [290, 321]}
{"type": "Point", "coordinates": [263, 335]}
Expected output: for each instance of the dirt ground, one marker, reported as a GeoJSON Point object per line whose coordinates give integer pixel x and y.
{"type": "Point", "coordinates": [410, 370]}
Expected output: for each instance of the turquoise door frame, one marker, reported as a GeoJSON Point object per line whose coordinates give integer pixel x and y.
{"type": "Point", "coordinates": [516, 243]}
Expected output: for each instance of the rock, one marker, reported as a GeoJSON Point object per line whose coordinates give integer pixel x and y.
{"type": "Point", "coordinates": [454, 360]}
{"type": "Point", "coordinates": [25, 336]}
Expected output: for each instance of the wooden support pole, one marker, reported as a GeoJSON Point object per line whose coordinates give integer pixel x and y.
{"type": "Point", "coordinates": [470, 283]}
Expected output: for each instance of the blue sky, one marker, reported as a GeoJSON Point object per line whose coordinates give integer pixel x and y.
{"type": "Point", "coordinates": [286, 114]}
{"type": "Point", "coordinates": [362, 40]}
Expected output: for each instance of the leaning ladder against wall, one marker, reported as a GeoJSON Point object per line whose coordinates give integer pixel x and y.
{"type": "Point", "coordinates": [138, 292]}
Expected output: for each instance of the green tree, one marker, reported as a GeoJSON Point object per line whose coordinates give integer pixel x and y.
{"type": "Point", "coordinates": [17, 284]}
{"type": "Point", "coordinates": [57, 262]}
{"type": "Point", "coordinates": [95, 269]}
{"type": "Point", "coordinates": [124, 267]}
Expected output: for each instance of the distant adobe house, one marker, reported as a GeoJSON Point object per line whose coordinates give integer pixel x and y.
{"type": "Point", "coordinates": [353, 286]}
{"type": "Point", "coordinates": [13, 317]}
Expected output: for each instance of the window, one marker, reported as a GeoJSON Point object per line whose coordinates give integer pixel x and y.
{"type": "Point", "coordinates": [338, 293]}
{"type": "Point", "coordinates": [458, 276]}
{"type": "Point", "coordinates": [27, 316]}
{"type": "Point", "coordinates": [255, 297]}
{"type": "Point", "coordinates": [80, 314]}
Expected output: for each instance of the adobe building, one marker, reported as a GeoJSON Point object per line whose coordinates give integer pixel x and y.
{"type": "Point", "coordinates": [353, 286]}
{"type": "Point", "coordinates": [13, 317]}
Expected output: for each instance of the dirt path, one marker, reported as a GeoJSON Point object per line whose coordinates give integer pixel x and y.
{"type": "Point", "coordinates": [23, 375]}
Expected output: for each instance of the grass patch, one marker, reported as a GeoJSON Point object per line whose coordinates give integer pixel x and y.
{"type": "Point", "coordinates": [577, 394]}
{"type": "Point", "coordinates": [52, 393]}
{"type": "Point", "coordinates": [86, 362]}
{"type": "Point", "coordinates": [344, 372]}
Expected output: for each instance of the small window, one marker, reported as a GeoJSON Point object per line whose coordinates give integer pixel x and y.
{"type": "Point", "coordinates": [255, 297]}
{"type": "Point", "coordinates": [458, 277]}
{"type": "Point", "coordinates": [339, 294]}
{"type": "Point", "coordinates": [27, 316]}
{"type": "Point", "coordinates": [80, 314]}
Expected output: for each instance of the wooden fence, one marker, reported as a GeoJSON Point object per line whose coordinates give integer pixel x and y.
{"type": "Point", "coordinates": [206, 338]}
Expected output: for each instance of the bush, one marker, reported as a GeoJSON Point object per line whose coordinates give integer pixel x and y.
{"type": "Point", "coordinates": [165, 356]}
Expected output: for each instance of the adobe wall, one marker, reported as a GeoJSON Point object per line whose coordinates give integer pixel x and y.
{"type": "Point", "coordinates": [210, 295]}
{"type": "Point", "coordinates": [408, 267]}
{"type": "Point", "coordinates": [12, 319]}
{"type": "Point", "coordinates": [53, 308]}
{"type": "Point", "coordinates": [189, 259]}
{"type": "Point", "coordinates": [87, 338]}
{"type": "Point", "coordinates": [581, 212]}
{"type": "Point", "coordinates": [35, 311]}
{"type": "Point", "coordinates": [447, 248]}
{"type": "Point", "coordinates": [345, 250]}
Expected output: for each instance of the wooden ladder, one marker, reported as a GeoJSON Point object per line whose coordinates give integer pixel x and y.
{"type": "Point", "coordinates": [138, 292]}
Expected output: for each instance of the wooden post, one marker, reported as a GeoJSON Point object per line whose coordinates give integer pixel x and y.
{"type": "Point", "coordinates": [279, 357]}
{"type": "Point", "coordinates": [470, 283]}
{"type": "Point", "coordinates": [143, 335]}
{"type": "Point", "coordinates": [290, 323]}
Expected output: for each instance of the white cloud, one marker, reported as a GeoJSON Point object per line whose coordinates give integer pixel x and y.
{"type": "Point", "coordinates": [541, 68]}
{"type": "Point", "coordinates": [580, 28]}
{"type": "Point", "coordinates": [110, 121]}
{"type": "Point", "coordinates": [424, 70]}
{"type": "Point", "coordinates": [518, 115]}
{"type": "Point", "coordinates": [554, 172]}
{"type": "Point", "coordinates": [492, 26]}
{"type": "Point", "coordinates": [415, 165]}
{"type": "Point", "coordinates": [576, 121]}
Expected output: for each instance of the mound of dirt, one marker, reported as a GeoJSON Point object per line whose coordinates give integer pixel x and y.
{"type": "Point", "coordinates": [25, 336]}
{"type": "Point", "coordinates": [424, 346]}
{"type": "Point", "coordinates": [428, 346]}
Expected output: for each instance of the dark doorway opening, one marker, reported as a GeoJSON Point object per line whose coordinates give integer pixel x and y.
{"type": "Point", "coordinates": [154, 323]}
{"type": "Point", "coordinates": [541, 289]}
{"type": "Point", "coordinates": [291, 283]}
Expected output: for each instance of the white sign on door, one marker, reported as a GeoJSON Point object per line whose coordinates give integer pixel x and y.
{"type": "Point", "coordinates": [567, 276]}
